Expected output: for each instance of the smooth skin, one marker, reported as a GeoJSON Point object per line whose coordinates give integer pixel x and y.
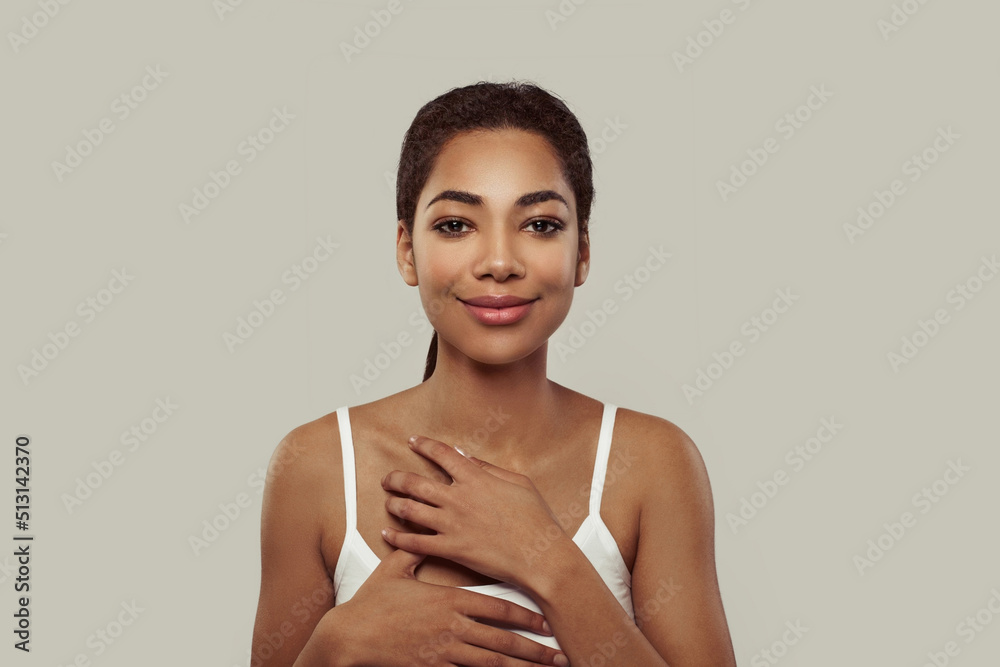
{"type": "Point", "coordinates": [508, 512]}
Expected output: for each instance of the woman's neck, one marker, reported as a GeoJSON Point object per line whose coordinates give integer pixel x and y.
{"type": "Point", "coordinates": [491, 411]}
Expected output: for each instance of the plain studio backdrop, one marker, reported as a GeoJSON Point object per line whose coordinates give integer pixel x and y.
{"type": "Point", "coordinates": [795, 252]}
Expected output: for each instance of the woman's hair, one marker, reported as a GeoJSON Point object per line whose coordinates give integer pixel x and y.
{"type": "Point", "coordinates": [491, 106]}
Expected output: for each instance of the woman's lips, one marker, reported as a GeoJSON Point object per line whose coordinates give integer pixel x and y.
{"type": "Point", "coordinates": [498, 309]}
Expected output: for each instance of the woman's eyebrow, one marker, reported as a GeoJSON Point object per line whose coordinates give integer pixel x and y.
{"type": "Point", "coordinates": [528, 199]}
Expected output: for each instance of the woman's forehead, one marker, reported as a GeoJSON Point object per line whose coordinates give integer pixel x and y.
{"type": "Point", "coordinates": [497, 163]}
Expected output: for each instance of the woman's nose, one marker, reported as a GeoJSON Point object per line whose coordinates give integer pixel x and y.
{"type": "Point", "coordinates": [498, 255]}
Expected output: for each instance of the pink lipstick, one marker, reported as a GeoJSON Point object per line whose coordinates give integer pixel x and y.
{"type": "Point", "coordinates": [498, 308]}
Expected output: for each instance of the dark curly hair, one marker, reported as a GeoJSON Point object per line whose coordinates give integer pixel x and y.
{"type": "Point", "coordinates": [491, 106]}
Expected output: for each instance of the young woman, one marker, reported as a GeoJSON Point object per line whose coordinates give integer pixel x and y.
{"type": "Point", "coordinates": [523, 523]}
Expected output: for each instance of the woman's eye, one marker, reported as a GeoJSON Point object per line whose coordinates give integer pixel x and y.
{"type": "Point", "coordinates": [546, 227]}
{"type": "Point", "coordinates": [450, 227]}
{"type": "Point", "coordinates": [543, 227]}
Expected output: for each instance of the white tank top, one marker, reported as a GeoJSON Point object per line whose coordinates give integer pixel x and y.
{"type": "Point", "coordinates": [357, 561]}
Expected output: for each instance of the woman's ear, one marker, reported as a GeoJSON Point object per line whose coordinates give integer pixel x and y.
{"type": "Point", "coordinates": [404, 255]}
{"type": "Point", "coordinates": [583, 260]}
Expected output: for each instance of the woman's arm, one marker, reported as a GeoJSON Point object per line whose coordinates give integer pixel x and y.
{"type": "Point", "coordinates": [295, 589]}
{"type": "Point", "coordinates": [674, 586]}
{"type": "Point", "coordinates": [393, 620]}
{"type": "Point", "coordinates": [675, 590]}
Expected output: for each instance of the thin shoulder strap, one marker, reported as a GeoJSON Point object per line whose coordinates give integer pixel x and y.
{"type": "Point", "coordinates": [350, 476]}
{"type": "Point", "coordinates": [601, 460]}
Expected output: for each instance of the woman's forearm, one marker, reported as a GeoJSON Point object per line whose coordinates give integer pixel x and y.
{"type": "Point", "coordinates": [330, 644]}
{"type": "Point", "coordinates": [586, 618]}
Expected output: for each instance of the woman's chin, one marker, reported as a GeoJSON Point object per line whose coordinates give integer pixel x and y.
{"type": "Point", "coordinates": [501, 355]}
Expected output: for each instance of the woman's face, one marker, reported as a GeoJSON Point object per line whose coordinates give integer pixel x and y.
{"type": "Point", "coordinates": [495, 218]}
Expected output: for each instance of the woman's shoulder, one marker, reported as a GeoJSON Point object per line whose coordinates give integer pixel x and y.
{"type": "Point", "coordinates": [650, 436]}
{"type": "Point", "coordinates": [670, 470]}
{"type": "Point", "coordinates": [662, 450]}
{"type": "Point", "coordinates": [315, 448]}
{"type": "Point", "coordinates": [653, 436]}
{"type": "Point", "coordinates": [307, 459]}
{"type": "Point", "coordinates": [660, 447]}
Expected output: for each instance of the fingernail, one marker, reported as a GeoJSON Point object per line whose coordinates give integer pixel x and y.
{"type": "Point", "coordinates": [412, 439]}
{"type": "Point", "coordinates": [561, 660]}
{"type": "Point", "coordinates": [459, 450]}
{"type": "Point", "coordinates": [545, 626]}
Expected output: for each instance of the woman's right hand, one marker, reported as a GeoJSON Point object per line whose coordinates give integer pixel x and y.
{"type": "Point", "coordinates": [396, 621]}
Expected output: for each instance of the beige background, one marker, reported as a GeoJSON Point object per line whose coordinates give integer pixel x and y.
{"type": "Point", "coordinates": [325, 175]}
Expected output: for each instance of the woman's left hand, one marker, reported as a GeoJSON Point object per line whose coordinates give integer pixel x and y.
{"type": "Point", "coordinates": [488, 519]}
